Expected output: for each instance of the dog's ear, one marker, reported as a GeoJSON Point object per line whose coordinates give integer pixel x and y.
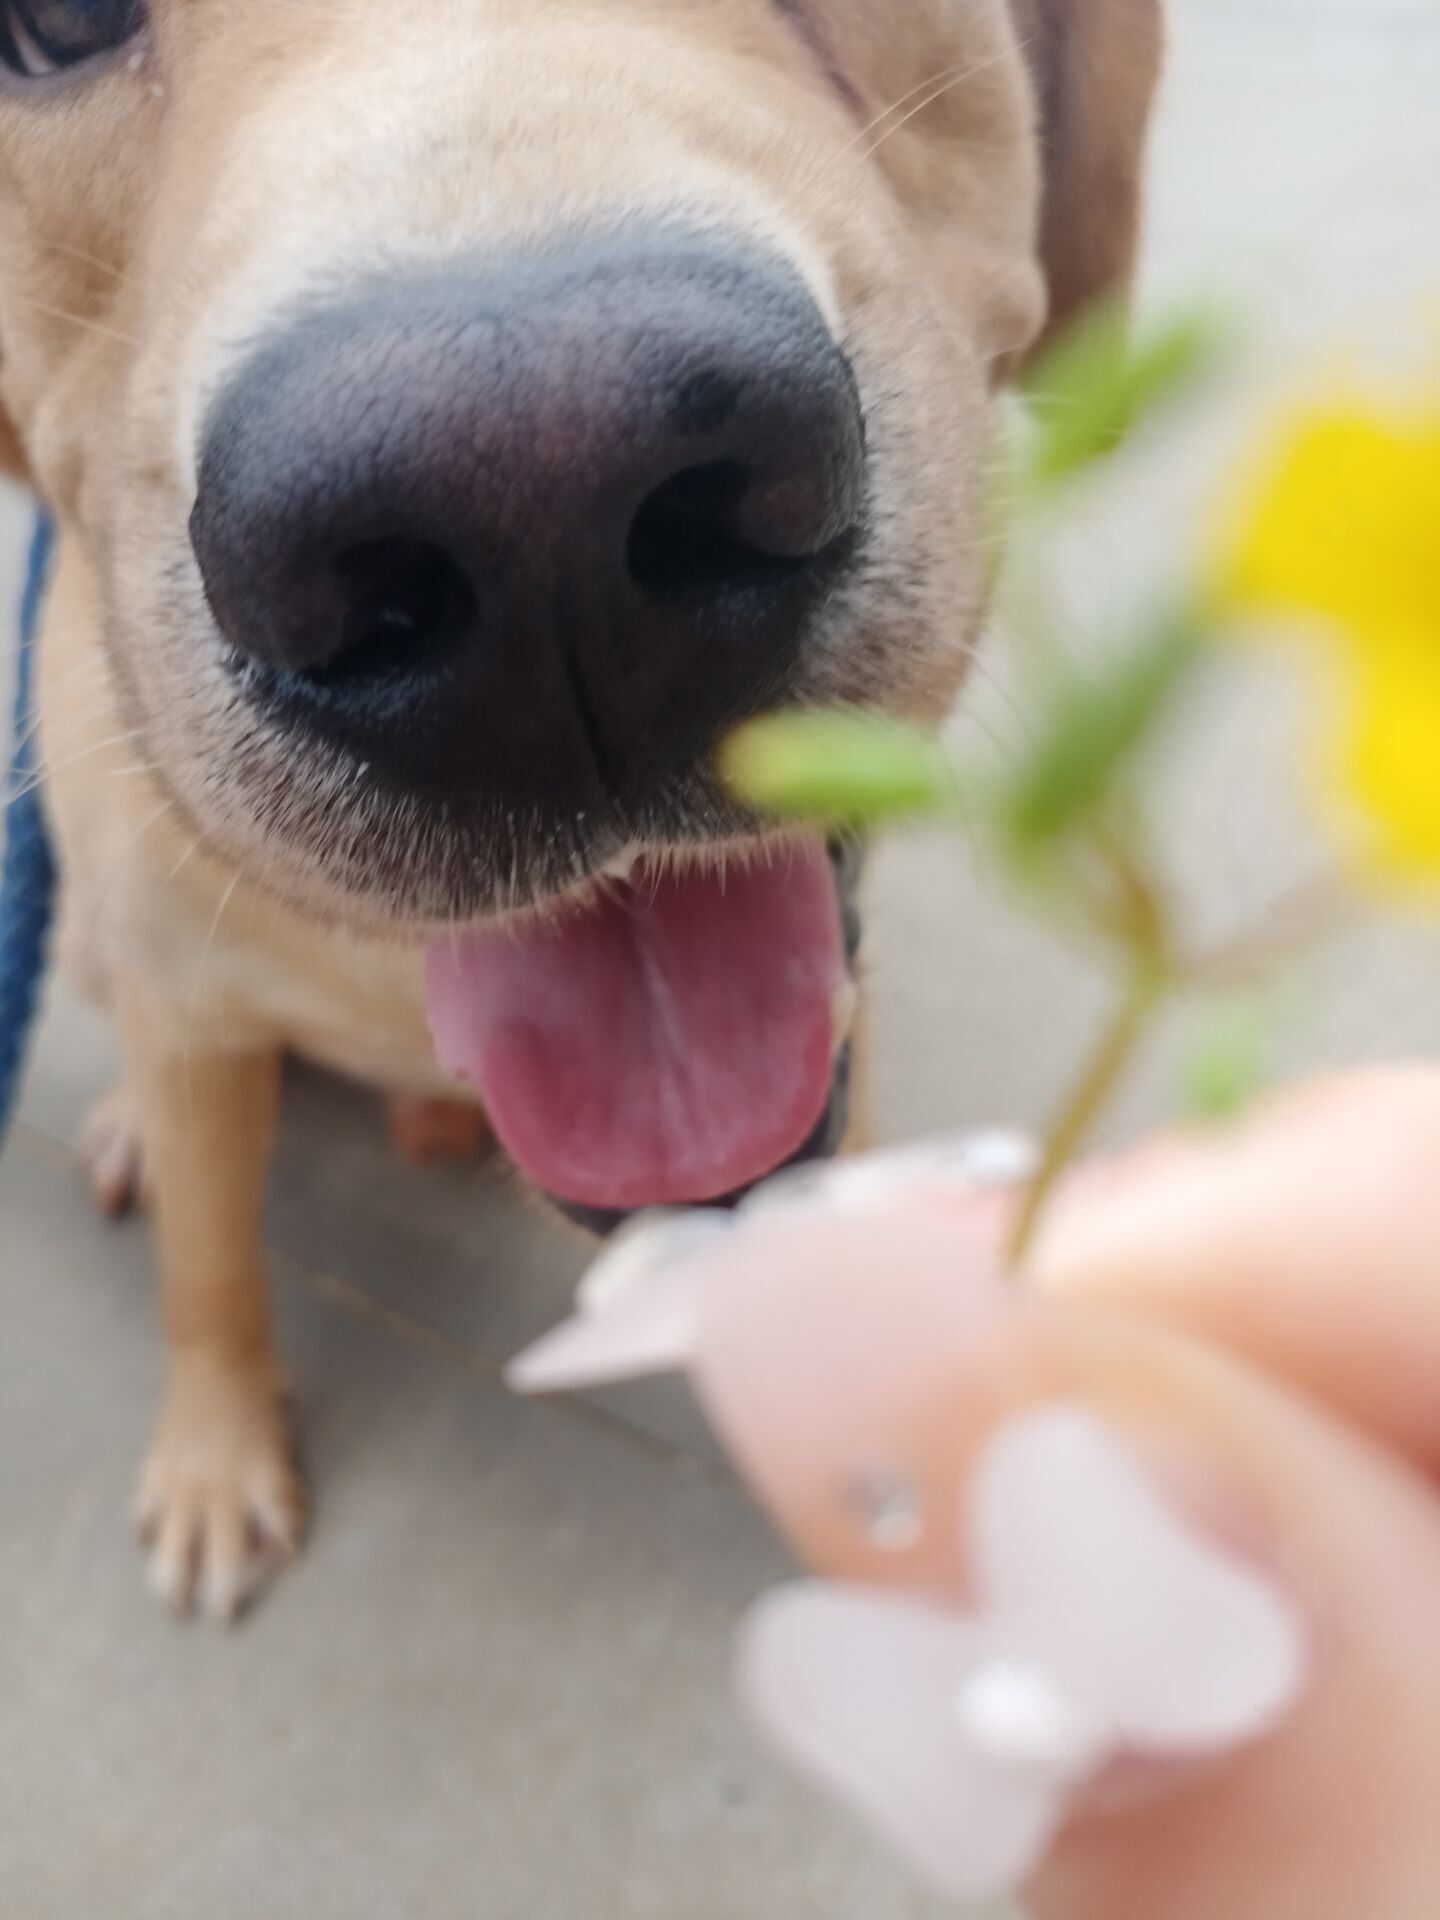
{"type": "Point", "coordinates": [1015, 139]}
{"type": "Point", "coordinates": [1095, 65]}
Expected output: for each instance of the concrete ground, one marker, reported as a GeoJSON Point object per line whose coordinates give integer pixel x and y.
{"type": "Point", "coordinates": [496, 1685]}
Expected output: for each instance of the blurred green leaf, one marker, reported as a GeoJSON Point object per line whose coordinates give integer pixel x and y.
{"type": "Point", "coordinates": [847, 768]}
{"type": "Point", "coordinates": [1095, 723]}
{"type": "Point", "coordinates": [1100, 381]}
{"type": "Point", "coordinates": [1228, 1063]}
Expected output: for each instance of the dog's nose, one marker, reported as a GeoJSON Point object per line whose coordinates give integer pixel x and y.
{"type": "Point", "coordinates": [538, 529]}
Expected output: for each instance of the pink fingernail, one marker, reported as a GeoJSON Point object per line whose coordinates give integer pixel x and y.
{"type": "Point", "coordinates": [638, 1309]}
{"type": "Point", "coordinates": [1103, 1626]}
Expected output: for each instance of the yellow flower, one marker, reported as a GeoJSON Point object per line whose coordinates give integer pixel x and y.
{"type": "Point", "coordinates": [1340, 524]}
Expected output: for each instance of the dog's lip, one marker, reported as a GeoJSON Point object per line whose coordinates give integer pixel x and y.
{"type": "Point", "coordinates": [623, 864]}
{"type": "Point", "coordinates": [677, 855]}
{"type": "Point", "coordinates": [847, 857]}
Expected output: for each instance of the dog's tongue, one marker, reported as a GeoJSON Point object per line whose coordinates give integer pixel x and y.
{"type": "Point", "coordinates": [671, 1042]}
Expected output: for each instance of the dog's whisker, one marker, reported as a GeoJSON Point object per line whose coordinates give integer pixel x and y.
{"type": "Point", "coordinates": [200, 974]}
{"type": "Point", "coordinates": [939, 91]}
{"type": "Point", "coordinates": [86, 322]}
{"type": "Point", "coordinates": [69, 252]}
{"type": "Point", "coordinates": [76, 675]}
{"type": "Point", "coordinates": [180, 865]}
{"type": "Point", "coordinates": [272, 938]}
{"type": "Point", "coordinates": [956, 74]}
{"type": "Point", "coordinates": [151, 819]}
{"type": "Point", "coordinates": [48, 770]}
{"type": "Point", "coordinates": [896, 106]}
{"type": "Point", "coordinates": [816, 163]}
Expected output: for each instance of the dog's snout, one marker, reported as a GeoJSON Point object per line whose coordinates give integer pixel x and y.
{"type": "Point", "coordinates": [535, 527]}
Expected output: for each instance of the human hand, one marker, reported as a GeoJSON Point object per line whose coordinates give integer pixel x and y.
{"type": "Point", "coordinates": [1131, 1569]}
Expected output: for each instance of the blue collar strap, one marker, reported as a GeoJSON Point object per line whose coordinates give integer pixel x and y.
{"type": "Point", "coordinates": [27, 877]}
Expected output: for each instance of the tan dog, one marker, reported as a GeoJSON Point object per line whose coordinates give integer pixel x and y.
{"type": "Point", "coordinates": [455, 418]}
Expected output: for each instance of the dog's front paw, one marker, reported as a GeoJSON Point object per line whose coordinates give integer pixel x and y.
{"type": "Point", "coordinates": [111, 1147]}
{"type": "Point", "coordinates": [220, 1506]}
{"type": "Point", "coordinates": [423, 1130]}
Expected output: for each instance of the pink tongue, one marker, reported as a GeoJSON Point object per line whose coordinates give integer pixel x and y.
{"type": "Point", "coordinates": [673, 1042]}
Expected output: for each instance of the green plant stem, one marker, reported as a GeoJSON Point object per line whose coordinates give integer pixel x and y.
{"type": "Point", "coordinates": [1089, 1098]}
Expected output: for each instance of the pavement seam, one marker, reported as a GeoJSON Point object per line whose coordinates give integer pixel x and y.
{"type": "Point", "coordinates": [344, 1296]}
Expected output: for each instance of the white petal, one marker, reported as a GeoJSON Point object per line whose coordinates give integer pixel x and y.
{"type": "Point", "coordinates": [1176, 1642]}
{"type": "Point", "coordinates": [866, 1696]}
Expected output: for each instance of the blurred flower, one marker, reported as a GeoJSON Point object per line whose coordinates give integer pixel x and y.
{"type": "Point", "coordinates": [1340, 521]}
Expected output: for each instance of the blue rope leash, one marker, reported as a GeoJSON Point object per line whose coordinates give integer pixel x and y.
{"type": "Point", "coordinates": [27, 877]}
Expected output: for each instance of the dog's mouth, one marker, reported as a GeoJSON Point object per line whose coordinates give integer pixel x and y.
{"type": "Point", "coordinates": [671, 1039]}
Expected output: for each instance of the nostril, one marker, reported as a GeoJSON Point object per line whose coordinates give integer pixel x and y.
{"type": "Point", "coordinates": [400, 603]}
{"type": "Point", "coordinates": [686, 542]}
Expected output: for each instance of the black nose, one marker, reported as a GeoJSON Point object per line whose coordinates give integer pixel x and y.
{"type": "Point", "coordinates": [538, 528]}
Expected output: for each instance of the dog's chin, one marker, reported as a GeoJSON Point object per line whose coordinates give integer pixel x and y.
{"type": "Point", "coordinates": [338, 846]}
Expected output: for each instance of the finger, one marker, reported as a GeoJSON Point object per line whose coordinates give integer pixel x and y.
{"type": "Point", "coordinates": [843, 1351]}
{"type": "Point", "coordinates": [1307, 1240]}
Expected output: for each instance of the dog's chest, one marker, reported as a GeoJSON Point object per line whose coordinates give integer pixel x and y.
{"type": "Point", "coordinates": [243, 970]}
{"type": "Point", "coordinates": [360, 1013]}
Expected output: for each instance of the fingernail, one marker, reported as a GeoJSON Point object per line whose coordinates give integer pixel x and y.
{"type": "Point", "coordinates": [637, 1308]}
{"type": "Point", "coordinates": [647, 1248]}
{"type": "Point", "coordinates": [1185, 1645]}
{"type": "Point", "coordinates": [965, 1164]}
{"type": "Point", "coordinates": [1104, 1626]}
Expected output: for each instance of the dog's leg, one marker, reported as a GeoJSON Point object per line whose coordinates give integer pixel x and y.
{"type": "Point", "coordinates": [220, 1501]}
{"type": "Point", "coordinates": [424, 1130]}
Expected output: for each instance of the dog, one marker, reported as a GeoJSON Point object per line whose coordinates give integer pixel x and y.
{"type": "Point", "coordinates": [455, 420]}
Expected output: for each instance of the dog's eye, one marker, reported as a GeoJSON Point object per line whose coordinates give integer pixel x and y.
{"type": "Point", "coordinates": [42, 36]}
